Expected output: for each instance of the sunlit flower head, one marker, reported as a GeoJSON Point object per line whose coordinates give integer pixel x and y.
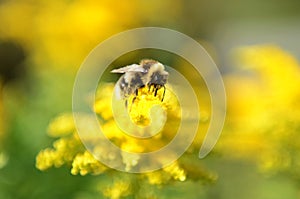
{"type": "Point", "coordinates": [68, 149]}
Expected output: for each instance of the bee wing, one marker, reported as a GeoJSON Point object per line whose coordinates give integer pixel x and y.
{"type": "Point", "coordinates": [130, 68]}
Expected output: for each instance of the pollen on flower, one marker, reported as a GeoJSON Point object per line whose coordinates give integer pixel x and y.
{"type": "Point", "coordinates": [139, 105]}
{"type": "Point", "coordinates": [85, 163]}
{"type": "Point", "coordinates": [63, 152]}
{"type": "Point", "coordinates": [45, 159]}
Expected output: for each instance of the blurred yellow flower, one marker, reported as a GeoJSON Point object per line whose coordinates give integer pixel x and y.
{"type": "Point", "coordinates": [61, 126]}
{"type": "Point", "coordinates": [173, 171]}
{"type": "Point", "coordinates": [60, 33]}
{"type": "Point", "coordinates": [117, 190]}
{"type": "Point", "coordinates": [264, 109]}
{"type": "Point", "coordinates": [3, 159]}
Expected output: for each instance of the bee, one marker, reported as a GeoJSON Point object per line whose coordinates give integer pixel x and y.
{"type": "Point", "coordinates": [148, 73]}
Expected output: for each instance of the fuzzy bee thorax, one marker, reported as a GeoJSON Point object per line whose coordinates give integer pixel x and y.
{"type": "Point", "coordinates": [146, 74]}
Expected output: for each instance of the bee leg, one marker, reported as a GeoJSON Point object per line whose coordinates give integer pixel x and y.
{"type": "Point", "coordinates": [132, 103]}
{"type": "Point", "coordinates": [156, 89]}
{"type": "Point", "coordinates": [133, 99]}
{"type": "Point", "coordinates": [162, 99]}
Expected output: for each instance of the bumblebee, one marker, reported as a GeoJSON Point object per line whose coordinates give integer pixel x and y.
{"type": "Point", "coordinates": [148, 73]}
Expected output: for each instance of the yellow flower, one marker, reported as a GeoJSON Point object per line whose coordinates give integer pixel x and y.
{"type": "Point", "coordinates": [63, 152]}
{"type": "Point", "coordinates": [140, 105]}
{"type": "Point", "coordinates": [61, 126]}
{"type": "Point", "coordinates": [85, 163]}
{"type": "Point", "coordinates": [117, 190]}
{"type": "Point", "coordinates": [82, 25]}
{"type": "Point", "coordinates": [68, 149]}
{"type": "Point", "coordinates": [277, 70]}
{"type": "Point", "coordinates": [263, 110]}
{"type": "Point", "coordinates": [140, 113]}
{"type": "Point", "coordinates": [176, 172]}
{"type": "Point", "coordinates": [173, 171]}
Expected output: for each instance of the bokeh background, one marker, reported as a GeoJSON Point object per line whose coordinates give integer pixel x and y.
{"type": "Point", "coordinates": [255, 44]}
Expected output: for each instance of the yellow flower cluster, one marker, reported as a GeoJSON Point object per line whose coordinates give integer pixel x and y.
{"type": "Point", "coordinates": [264, 108]}
{"type": "Point", "coordinates": [117, 190]}
{"type": "Point", "coordinates": [68, 149]}
{"type": "Point", "coordinates": [85, 163]}
{"type": "Point", "coordinates": [172, 171]}
{"type": "Point", "coordinates": [139, 107]}
{"type": "Point", "coordinates": [61, 33]}
{"type": "Point", "coordinates": [139, 110]}
{"type": "Point", "coordinates": [63, 152]}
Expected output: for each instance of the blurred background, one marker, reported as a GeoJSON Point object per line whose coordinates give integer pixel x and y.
{"type": "Point", "coordinates": [255, 44]}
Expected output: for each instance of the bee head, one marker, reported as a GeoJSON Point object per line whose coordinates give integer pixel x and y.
{"type": "Point", "coordinates": [157, 74]}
